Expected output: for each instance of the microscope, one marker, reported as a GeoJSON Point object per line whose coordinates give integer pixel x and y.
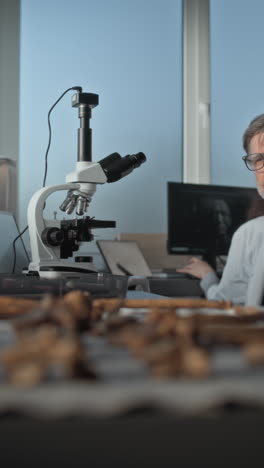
{"type": "Point", "coordinates": [54, 241]}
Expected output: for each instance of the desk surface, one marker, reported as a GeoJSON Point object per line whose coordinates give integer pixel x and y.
{"type": "Point", "coordinates": [146, 440]}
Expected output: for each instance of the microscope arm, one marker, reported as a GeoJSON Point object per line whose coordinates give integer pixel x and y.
{"type": "Point", "coordinates": [37, 224]}
{"type": "Point", "coordinates": [83, 180]}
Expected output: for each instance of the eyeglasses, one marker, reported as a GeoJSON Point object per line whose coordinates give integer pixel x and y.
{"type": "Point", "coordinates": [254, 161]}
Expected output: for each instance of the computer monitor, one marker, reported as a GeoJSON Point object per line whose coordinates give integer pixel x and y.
{"type": "Point", "coordinates": [203, 218]}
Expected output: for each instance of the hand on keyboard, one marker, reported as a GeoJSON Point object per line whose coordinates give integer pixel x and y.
{"type": "Point", "coordinates": [182, 275]}
{"type": "Point", "coordinates": [196, 267]}
{"type": "Point", "coordinates": [170, 273]}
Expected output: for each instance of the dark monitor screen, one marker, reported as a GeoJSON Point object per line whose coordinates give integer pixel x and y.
{"type": "Point", "coordinates": [203, 218]}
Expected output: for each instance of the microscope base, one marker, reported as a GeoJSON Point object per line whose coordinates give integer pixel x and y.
{"type": "Point", "coordinates": [58, 271]}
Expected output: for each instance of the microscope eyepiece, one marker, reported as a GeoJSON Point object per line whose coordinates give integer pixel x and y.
{"type": "Point", "coordinates": [138, 159]}
{"type": "Point", "coordinates": [116, 167]}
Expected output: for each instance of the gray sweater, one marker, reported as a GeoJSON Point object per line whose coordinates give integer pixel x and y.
{"type": "Point", "coordinates": [244, 262]}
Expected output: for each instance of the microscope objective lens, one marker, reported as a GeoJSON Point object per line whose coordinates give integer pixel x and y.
{"type": "Point", "coordinates": [81, 206]}
{"type": "Point", "coordinates": [66, 202]}
{"type": "Point", "coordinates": [70, 207]}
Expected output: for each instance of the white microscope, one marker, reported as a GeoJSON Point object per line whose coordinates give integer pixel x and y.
{"type": "Point", "coordinates": [54, 241]}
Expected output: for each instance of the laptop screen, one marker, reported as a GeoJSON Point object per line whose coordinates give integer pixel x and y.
{"type": "Point", "coordinates": [124, 258]}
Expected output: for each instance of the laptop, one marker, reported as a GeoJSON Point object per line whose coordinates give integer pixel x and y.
{"type": "Point", "coordinates": [126, 258]}
{"type": "Point", "coordinates": [123, 258]}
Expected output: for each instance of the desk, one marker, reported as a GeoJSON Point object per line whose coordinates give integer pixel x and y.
{"type": "Point", "coordinates": [146, 440]}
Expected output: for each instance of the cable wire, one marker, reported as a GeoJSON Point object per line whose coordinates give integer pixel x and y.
{"type": "Point", "coordinates": [49, 126]}
{"type": "Point", "coordinates": [76, 88]}
{"type": "Point", "coordinates": [14, 249]}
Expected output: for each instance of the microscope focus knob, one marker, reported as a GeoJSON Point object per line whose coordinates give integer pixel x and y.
{"type": "Point", "coordinates": [52, 236]}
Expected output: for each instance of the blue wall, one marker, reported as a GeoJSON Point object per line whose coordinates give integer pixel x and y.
{"type": "Point", "coordinates": [129, 52]}
{"type": "Point", "coordinates": [237, 84]}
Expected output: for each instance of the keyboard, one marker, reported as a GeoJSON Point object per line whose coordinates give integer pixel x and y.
{"type": "Point", "coordinates": [175, 286]}
{"type": "Point", "coordinates": [173, 274]}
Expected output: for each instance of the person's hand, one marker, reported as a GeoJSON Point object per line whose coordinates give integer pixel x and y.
{"type": "Point", "coordinates": [196, 267]}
